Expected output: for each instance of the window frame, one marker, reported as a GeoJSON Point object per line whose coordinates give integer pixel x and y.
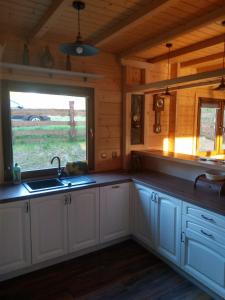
{"type": "Point", "coordinates": [17, 86]}
{"type": "Point", "coordinates": [219, 127]}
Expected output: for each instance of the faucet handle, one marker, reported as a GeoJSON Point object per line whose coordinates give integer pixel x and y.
{"type": "Point", "coordinates": [61, 172]}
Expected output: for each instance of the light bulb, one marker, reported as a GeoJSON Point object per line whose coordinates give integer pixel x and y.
{"type": "Point", "coordinates": [79, 50]}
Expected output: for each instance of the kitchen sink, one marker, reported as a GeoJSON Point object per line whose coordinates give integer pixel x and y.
{"type": "Point", "coordinates": [55, 183]}
{"type": "Point", "coordinates": [41, 185]}
{"type": "Point", "coordinates": [77, 180]}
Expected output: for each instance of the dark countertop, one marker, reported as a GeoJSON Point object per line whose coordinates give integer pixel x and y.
{"type": "Point", "coordinates": [173, 186]}
{"type": "Point", "coordinates": [182, 189]}
{"type": "Point", "coordinates": [10, 192]}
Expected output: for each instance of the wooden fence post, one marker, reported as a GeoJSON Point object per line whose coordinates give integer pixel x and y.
{"type": "Point", "coordinates": [72, 121]}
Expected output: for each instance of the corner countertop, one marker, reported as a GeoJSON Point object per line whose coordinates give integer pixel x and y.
{"type": "Point", "coordinates": [182, 189]}
{"type": "Point", "coordinates": [173, 186]}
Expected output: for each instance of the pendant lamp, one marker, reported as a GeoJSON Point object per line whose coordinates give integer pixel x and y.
{"type": "Point", "coordinates": [168, 46]}
{"type": "Point", "coordinates": [221, 86]}
{"type": "Point", "coordinates": [79, 47]}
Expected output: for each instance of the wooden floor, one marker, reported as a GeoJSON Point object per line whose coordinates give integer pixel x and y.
{"type": "Point", "coordinates": [124, 271]}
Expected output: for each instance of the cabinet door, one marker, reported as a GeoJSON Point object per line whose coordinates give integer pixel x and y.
{"type": "Point", "coordinates": [168, 227]}
{"type": "Point", "coordinates": [15, 248]}
{"type": "Point", "coordinates": [83, 219]}
{"type": "Point", "coordinates": [202, 258]}
{"type": "Point", "coordinates": [143, 214]}
{"type": "Point", "coordinates": [114, 211]}
{"type": "Point", "coordinates": [48, 227]}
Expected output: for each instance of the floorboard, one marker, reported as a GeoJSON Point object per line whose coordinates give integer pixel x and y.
{"type": "Point", "coordinates": [124, 271]}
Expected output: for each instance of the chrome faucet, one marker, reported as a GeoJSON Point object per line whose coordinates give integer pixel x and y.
{"type": "Point", "coordinates": [60, 170]}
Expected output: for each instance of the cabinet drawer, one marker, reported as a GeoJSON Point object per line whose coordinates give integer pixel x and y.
{"type": "Point", "coordinates": [205, 261]}
{"type": "Point", "coordinates": [215, 237]}
{"type": "Point", "coordinates": [206, 217]}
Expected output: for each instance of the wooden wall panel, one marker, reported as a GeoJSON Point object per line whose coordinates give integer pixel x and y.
{"type": "Point", "coordinates": [185, 121]}
{"type": "Point", "coordinates": [107, 94]}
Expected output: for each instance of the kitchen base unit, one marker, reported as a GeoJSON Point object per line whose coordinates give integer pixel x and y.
{"type": "Point", "coordinates": [15, 246]}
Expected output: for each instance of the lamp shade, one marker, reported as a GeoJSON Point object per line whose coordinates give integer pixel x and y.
{"type": "Point", "coordinates": [78, 49]}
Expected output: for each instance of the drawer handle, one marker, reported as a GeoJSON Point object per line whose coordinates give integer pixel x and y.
{"type": "Point", "coordinates": [115, 186]}
{"type": "Point", "coordinates": [207, 234]}
{"type": "Point", "coordinates": [208, 219]}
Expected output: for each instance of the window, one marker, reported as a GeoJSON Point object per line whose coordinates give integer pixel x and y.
{"type": "Point", "coordinates": [41, 121]}
{"type": "Point", "coordinates": [211, 134]}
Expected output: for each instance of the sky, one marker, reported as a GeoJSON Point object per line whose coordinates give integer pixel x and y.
{"type": "Point", "coordinates": [48, 101]}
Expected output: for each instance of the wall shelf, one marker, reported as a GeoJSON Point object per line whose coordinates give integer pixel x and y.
{"type": "Point", "coordinates": [12, 67]}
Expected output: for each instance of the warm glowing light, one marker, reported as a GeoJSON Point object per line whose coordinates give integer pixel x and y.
{"type": "Point", "coordinates": [184, 145]}
{"type": "Point", "coordinates": [165, 144]}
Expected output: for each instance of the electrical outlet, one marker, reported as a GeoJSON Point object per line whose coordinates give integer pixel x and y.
{"type": "Point", "coordinates": [114, 154]}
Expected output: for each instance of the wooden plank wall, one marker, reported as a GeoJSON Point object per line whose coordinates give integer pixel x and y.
{"type": "Point", "coordinates": [107, 94]}
{"type": "Point", "coordinates": [185, 117]}
{"type": "Point", "coordinates": [137, 75]}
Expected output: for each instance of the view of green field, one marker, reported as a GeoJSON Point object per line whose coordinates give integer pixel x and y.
{"type": "Point", "coordinates": [36, 150]}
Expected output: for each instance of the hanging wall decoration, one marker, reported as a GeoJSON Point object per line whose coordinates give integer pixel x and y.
{"type": "Point", "coordinates": [158, 107]}
{"type": "Point", "coordinates": [26, 55]}
{"type": "Point", "coordinates": [137, 119]}
{"type": "Point", "coordinates": [47, 60]}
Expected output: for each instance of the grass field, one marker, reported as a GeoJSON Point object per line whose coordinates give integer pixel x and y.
{"type": "Point", "coordinates": [34, 151]}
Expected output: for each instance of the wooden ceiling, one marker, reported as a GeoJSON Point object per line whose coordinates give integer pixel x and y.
{"type": "Point", "coordinates": [129, 28]}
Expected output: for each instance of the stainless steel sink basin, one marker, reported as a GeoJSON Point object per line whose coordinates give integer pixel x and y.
{"type": "Point", "coordinates": [55, 183]}
{"type": "Point", "coordinates": [41, 185]}
{"type": "Point", "coordinates": [77, 180]}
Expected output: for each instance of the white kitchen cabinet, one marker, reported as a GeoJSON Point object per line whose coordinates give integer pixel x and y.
{"type": "Point", "coordinates": [143, 214]}
{"type": "Point", "coordinates": [15, 248]}
{"type": "Point", "coordinates": [157, 221]}
{"type": "Point", "coordinates": [203, 247]}
{"type": "Point", "coordinates": [114, 211]}
{"type": "Point", "coordinates": [48, 227]}
{"type": "Point", "coordinates": [83, 219]}
{"type": "Point", "coordinates": [204, 259]}
{"type": "Point", "coordinates": [168, 227]}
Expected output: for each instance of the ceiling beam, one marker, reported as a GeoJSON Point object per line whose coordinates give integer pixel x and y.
{"type": "Point", "coordinates": [184, 28]}
{"type": "Point", "coordinates": [47, 19]}
{"type": "Point", "coordinates": [194, 47]}
{"type": "Point", "coordinates": [132, 88]}
{"type": "Point", "coordinates": [186, 86]}
{"type": "Point", "coordinates": [208, 68]}
{"type": "Point", "coordinates": [205, 59]}
{"type": "Point", "coordinates": [146, 12]}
